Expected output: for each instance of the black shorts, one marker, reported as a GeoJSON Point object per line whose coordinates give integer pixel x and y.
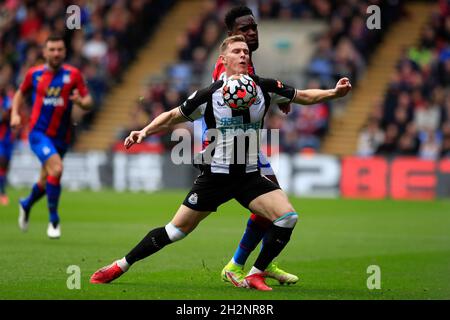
{"type": "Point", "coordinates": [211, 190]}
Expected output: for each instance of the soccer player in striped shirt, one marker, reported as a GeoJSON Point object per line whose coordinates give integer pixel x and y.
{"type": "Point", "coordinates": [241, 21]}
{"type": "Point", "coordinates": [222, 178]}
{"type": "Point", "coordinates": [6, 143]}
{"type": "Point", "coordinates": [55, 88]}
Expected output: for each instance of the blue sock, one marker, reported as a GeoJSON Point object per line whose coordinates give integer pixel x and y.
{"type": "Point", "coordinates": [2, 183]}
{"type": "Point", "coordinates": [36, 193]}
{"type": "Point", "coordinates": [53, 194]}
{"type": "Point", "coordinates": [252, 236]}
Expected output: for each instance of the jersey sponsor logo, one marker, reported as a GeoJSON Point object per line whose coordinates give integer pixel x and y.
{"type": "Point", "coordinates": [193, 198]}
{"type": "Point", "coordinates": [53, 98]}
{"type": "Point", "coordinates": [233, 121]}
{"type": "Point", "coordinates": [229, 125]}
{"type": "Point", "coordinates": [55, 102]}
{"type": "Point", "coordinates": [53, 91]}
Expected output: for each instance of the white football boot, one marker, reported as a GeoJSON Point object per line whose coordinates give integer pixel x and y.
{"type": "Point", "coordinates": [52, 232]}
{"type": "Point", "coordinates": [23, 222]}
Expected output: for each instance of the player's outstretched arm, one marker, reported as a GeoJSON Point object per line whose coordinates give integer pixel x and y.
{"type": "Point", "coordinates": [162, 122]}
{"type": "Point", "coordinates": [17, 103]}
{"type": "Point", "coordinates": [313, 96]}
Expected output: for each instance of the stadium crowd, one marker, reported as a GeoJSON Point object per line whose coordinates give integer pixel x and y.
{"type": "Point", "coordinates": [342, 52]}
{"type": "Point", "coordinates": [413, 119]}
{"type": "Point", "coordinates": [110, 34]}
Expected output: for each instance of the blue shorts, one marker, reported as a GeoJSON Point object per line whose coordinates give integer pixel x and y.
{"type": "Point", "coordinates": [6, 149]}
{"type": "Point", "coordinates": [44, 147]}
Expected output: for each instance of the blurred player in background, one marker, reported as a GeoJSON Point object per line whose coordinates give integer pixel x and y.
{"type": "Point", "coordinates": [54, 87]}
{"type": "Point", "coordinates": [241, 21]}
{"type": "Point", "coordinates": [6, 142]}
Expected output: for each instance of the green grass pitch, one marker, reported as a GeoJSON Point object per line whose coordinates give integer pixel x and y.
{"type": "Point", "coordinates": [331, 248]}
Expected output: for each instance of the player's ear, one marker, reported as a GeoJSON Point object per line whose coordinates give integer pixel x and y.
{"type": "Point", "coordinates": [223, 59]}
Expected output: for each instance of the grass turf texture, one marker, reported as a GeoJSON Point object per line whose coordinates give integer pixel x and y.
{"type": "Point", "coordinates": [332, 246]}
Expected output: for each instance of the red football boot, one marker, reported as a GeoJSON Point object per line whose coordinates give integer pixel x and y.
{"type": "Point", "coordinates": [107, 274]}
{"type": "Point", "coordinates": [257, 281]}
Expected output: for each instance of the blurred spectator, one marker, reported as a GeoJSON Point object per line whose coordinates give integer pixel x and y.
{"type": "Point", "coordinates": [445, 150]}
{"type": "Point", "coordinates": [24, 26]}
{"type": "Point", "coordinates": [343, 51]}
{"type": "Point", "coordinates": [417, 101]}
{"type": "Point", "coordinates": [370, 138]}
{"type": "Point", "coordinates": [389, 145]}
{"type": "Point", "coordinates": [430, 145]}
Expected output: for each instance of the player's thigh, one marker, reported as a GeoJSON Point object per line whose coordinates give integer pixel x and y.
{"type": "Point", "coordinates": [251, 187]}
{"type": "Point", "coordinates": [271, 205]}
{"type": "Point", "coordinates": [187, 219]}
{"type": "Point", "coordinates": [42, 146]}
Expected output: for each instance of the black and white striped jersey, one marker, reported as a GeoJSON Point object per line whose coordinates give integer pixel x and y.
{"type": "Point", "coordinates": [233, 135]}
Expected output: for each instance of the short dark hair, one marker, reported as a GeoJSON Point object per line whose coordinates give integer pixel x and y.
{"type": "Point", "coordinates": [234, 13]}
{"type": "Point", "coordinates": [54, 37]}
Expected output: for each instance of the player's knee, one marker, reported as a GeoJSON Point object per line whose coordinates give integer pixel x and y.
{"type": "Point", "coordinates": [56, 170]}
{"type": "Point", "coordinates": [174, 233]}
{"type": "Point", "coordinates": [288, 220]}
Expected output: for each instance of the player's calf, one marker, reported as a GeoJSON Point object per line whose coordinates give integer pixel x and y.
{"type": "Point", "coordinates": [154, 241]}
{"type": "Point", "coordinates": [277, 238]}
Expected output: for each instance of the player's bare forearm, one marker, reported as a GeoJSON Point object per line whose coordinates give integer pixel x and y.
{"type": "Point", "coordinates": [162, 122]}
{"type": "Point", "coordinates": [15, 109]}
{"type": "Point", "coordinates": [313, 96]}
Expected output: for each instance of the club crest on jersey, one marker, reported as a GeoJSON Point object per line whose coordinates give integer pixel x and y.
{"type": "Point", "coordinates": [193, 198]}
{"type": "Point", "coordinates": [280, 84]}
{"type": "Point", "coordinates": [66, 78]}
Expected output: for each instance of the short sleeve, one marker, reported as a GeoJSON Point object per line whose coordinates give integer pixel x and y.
{"type": "Point", "coordinates": [27, 82]}
{"type": "Point", "coordinates": [80, 84]}
{"type": "Point", "coordinates": [194, 106]}
{"type": "Point", "coordinates": [280, 92]}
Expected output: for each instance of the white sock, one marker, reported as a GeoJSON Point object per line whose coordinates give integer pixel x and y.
{"type": "Point", "coordinates": [123, 264]}
{"type": "Point", "coordinates": [254, 270]}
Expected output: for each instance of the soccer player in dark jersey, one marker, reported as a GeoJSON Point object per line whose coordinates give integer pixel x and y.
{"type": "Point", "coordinates": [241, 21]}
{"type": "Point", "coordinates": [6, 142]}
{"type": "Point", "coordinates": [221, 178]}
{"type": "Point", "coordinates": [55, 88]}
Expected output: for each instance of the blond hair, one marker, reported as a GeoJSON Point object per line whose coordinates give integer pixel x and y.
{"type": "Point", "coordinates": [229, 40]}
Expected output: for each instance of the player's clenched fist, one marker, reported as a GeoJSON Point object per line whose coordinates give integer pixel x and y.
{"type": "Point", "coordinates": [343, 86]}
{"type": "Point", "coordinates": [134, 137]}
{"type": "Point", "coordinates": [15, 120]}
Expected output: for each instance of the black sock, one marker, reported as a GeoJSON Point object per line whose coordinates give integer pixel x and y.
{"type": "Point", "coordinates": [275, 240]}
{"type": "Point", "coordinates": [152, 242]}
